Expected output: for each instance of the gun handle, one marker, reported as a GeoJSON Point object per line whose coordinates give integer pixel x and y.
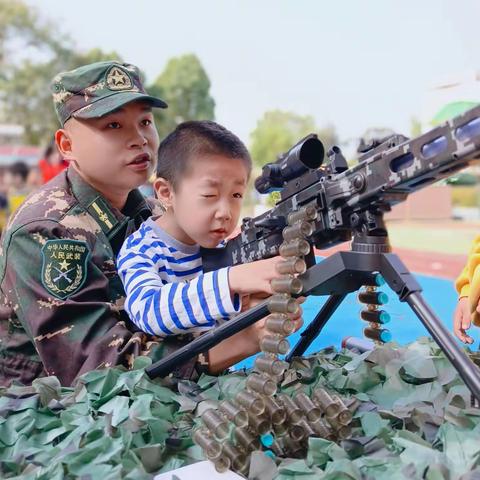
{"type": "Point", "coordinates": [310, 257]}
{"type": "Point", "coordinates": [215, 258]}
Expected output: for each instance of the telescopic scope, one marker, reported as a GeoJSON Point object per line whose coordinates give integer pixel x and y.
{"type": "Point", "coordinates": [307, 154]}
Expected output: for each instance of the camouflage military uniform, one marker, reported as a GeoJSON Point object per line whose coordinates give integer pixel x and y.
{"type": "Point", "coordinates": [61, 300]}
{"type": "Point", "coordinates": [70, 320]}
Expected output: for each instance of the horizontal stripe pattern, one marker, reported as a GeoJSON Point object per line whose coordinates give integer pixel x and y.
{"type": "Point", "coordinates": [167, 292]}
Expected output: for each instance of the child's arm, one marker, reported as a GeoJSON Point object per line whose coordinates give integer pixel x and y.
{"type": "Point", "coordinates": [462, 283]}
{"type": "Point", "coordinates": [161, 308]}
{"type": "Point", "coordinates": [463, 312]}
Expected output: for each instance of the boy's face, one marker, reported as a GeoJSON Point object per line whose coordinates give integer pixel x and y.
{"type": "Point", "coordinates": [205, 207]}
{"type": "Point", "coordinates": [115, 153]}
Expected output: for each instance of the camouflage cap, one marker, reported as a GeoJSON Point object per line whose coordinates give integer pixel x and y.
{"type": "Point", "coordinates": [94, 90]}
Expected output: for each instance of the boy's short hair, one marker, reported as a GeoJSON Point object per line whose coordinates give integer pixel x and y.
{"type": "Point", "coordinates": [20, 169]}
{"type": "Point", "coordinates": [197, 137]}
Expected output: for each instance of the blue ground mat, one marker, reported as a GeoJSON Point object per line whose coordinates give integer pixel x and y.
{"type": "Point", "coordinates": [404, 325]}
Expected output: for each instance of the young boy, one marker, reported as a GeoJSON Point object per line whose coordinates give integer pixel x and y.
{"type": "Point", "coordinates": [202, 175]}
{"type": "Point", "coordinates": [16, 183]}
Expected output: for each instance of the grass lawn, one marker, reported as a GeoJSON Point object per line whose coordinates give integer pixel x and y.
{"type": "Point", "coordinates": [453, 237]}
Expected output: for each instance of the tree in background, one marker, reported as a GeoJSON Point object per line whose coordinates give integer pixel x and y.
{"type": "Point", "coordinates": [185, 86]}
{"type": "Point", "coordinates": [20, 28]}
{"type": "Point", "coordinates": [277, 131]}
{"type": "Point", "coordinates": [25, 96]}
{"type": "Point", "coordinates": [415, 127]}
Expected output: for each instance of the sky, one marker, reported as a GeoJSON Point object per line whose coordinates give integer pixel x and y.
{"type": "Point", "coordinates": [353, 64]}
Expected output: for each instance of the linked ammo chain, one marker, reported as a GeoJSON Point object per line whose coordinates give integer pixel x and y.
{"type": "Point", "coordinates": [373, 314]}
{"type": "Point", "coordinates": [258, 417]}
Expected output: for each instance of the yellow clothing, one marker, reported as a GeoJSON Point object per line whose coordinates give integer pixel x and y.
{"type": "Point", "coordinates": [468, 282]}
{"type": "Point", "coordinates": [14, 201]}
{"type": "Point", "coordinates": [3, 219]}
{"type": "Point", "coordinates": [16, 196]}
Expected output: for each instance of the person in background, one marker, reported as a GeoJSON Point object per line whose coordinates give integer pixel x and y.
{"type": "Point", "coordinates": [3, 201]}
{"type": "Point", "coordinates": [16, 185]}
{"type": "Point", "coordinates": [34, 179]}
{"type": "Point", "coordinates": [467, 286]}
{"type": "Point", "coordinates": [52, 163]}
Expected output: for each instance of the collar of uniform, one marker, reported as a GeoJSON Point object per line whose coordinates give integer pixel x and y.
{"type": "Point", "coordinates": [109, 218]}
{"type": "Point", "coordinates": [136, 205]}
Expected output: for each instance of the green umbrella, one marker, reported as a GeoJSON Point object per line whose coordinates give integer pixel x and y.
{"type": "Point", "coordinates": [451, 110]}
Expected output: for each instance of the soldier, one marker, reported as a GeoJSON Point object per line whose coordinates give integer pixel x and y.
{"type": "Point", "coordinates": [61, 298]}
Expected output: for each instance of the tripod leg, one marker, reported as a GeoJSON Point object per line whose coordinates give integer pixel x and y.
{"type": "Point", "coordinates": [403, 283]}
{"type": "Point", "coordinates": [467, 370]}
{"type": "Point", "coordinates": [314, 329]}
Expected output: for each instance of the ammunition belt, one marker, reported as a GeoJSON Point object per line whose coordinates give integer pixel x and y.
{"type": "Point", "coordinates": [258, 417]}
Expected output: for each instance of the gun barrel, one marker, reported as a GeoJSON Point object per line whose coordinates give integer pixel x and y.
{"type": "Point", "coordinates": [390, 173]}
{"type": "Point", "coordinates": [208, 340]}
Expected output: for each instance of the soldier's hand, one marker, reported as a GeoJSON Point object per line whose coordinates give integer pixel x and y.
{"type": "Point", "coordinates": [251, 300]}
{"type": "Point", "coordinates": [462, 320]}
{"type": "Point", "coordinates": [254, 277]}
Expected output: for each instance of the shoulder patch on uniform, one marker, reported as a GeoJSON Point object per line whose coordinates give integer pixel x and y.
{"type": "Point", "coordinates": [100, 211]}
{"type": "Point", "coordinates": [64, 266]}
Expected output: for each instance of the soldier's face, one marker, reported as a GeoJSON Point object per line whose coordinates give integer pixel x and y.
{"type": "Point", "coordinates": [114, 153]}
{"type": "Point", "coordinates": [205, 207]}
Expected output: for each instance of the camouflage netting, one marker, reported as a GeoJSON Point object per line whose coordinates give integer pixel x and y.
{"type": "Point", "coordinates": [413, 419]}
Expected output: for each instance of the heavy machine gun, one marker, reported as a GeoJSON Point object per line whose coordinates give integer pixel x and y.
{"type": "Point", "coordinates": [325, 204]}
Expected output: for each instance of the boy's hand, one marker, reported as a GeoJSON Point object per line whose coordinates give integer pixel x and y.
{"type": "Point", "coordinates": [254, 277]}
{"type": "Point", "coordinates": [461, 320]}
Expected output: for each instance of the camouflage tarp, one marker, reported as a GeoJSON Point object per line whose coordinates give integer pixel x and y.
{"type": "Point", "coordinates": [413, 420]}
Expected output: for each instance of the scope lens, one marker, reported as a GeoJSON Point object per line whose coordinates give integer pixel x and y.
{"type": "Point", "coordinates": [312, 153]}
{"type": "Point", "coordinates": [306, 154]}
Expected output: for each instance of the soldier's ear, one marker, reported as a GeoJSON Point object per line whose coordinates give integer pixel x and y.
{"type": "Point", "coordinates": [163, 191]}
{"type": "Point", "coordinates": [64, 143]}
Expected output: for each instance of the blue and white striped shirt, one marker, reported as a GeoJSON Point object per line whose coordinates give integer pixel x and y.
{"type": "Point", "coordinates": [167, 292]}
